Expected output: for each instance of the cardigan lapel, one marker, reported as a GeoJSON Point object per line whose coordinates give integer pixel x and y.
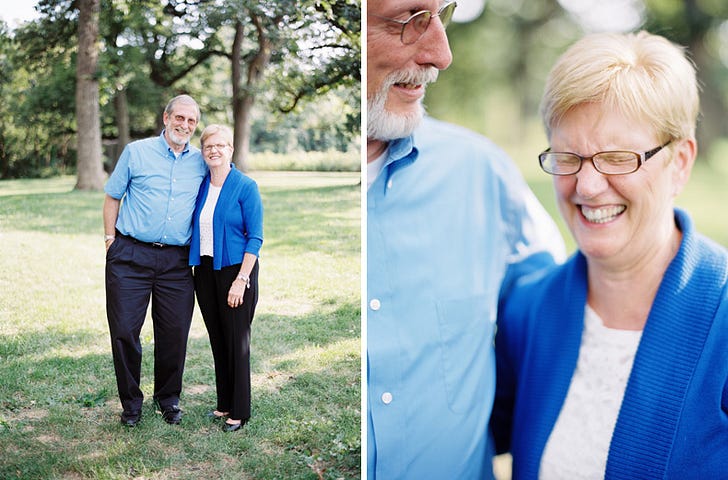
{"type": "Point", "coordinates": [671, 345]}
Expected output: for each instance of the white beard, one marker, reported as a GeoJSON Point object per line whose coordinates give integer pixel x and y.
{"type": "Point", "coordinates": [384, 125]}
{"type": "Point", "coordinates": [175, 138]}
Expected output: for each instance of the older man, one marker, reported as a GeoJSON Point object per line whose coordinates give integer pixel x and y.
{"type": "Point", "coordinates": [450, 225]}
{"type": "Point", "coordinates": [147, 239]}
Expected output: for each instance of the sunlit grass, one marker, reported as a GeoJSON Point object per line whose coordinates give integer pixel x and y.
{"type": "Point", "coordinates": [58, 403]}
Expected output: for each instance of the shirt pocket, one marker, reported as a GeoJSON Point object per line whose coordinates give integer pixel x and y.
{"type": "Point", "coordinates": [466, 329]}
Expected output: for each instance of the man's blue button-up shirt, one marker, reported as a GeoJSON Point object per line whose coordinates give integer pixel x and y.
{"type": "Point", "coordinates": [158, 190]}
{"type": "Point", "coordinates": [450, 224]}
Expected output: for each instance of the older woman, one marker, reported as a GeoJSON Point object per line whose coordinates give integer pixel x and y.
{"type": "Point", "coordinates": [226, 238]}
{"type": "Point", "coordinates": [615, 364]}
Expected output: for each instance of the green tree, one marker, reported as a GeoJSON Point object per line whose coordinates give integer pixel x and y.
{"type": "Point", "coordinates": [335, 53]}
{"type": "Point", "coordinates": [39, 96]}
{"type": "Point", "coordinates": [152, 50]}
{"type": "Point", "coordinates": [278, 44]}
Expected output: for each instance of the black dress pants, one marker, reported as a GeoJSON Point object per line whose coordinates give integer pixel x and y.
{"type": "Point", "coordinates": [136, 272]}
{"type": "Point", "coordinates": [229, 332]}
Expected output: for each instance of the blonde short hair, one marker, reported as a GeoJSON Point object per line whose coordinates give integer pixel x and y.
{"type": "Point", "coordinates": [215, 129]}
{"type": "Point", "coordinates": [644, 76]}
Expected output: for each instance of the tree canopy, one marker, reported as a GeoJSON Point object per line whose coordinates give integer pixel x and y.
{"type": "Point", "coordinates": [151, 50]}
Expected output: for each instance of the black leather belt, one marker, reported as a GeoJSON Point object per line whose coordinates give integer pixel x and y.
{"type": "Point", "coordinates": [149, 244]}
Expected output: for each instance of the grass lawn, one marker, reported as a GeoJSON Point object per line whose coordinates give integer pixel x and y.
{"type": "Point", "coordinates": [59, 411]}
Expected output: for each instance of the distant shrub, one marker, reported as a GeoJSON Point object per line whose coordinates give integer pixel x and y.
{"type": "Point", "coordinates": [331, 161]}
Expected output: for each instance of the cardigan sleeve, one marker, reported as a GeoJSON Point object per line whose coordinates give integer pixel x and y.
{"type": "Point", "coordinates": [252, 206]}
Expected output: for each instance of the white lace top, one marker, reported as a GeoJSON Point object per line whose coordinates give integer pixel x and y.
{"type": "Point", "coordinates": [206, 233]}
{"type": "Point", "coordinates": [579, 443]}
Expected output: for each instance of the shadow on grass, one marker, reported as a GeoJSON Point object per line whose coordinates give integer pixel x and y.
{"type": "Point", "coordinates": [50, 367]}
{"type": "Point", "coordinates": [59, 409]}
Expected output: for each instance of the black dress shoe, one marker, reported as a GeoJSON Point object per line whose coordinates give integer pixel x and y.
{"type": "Point", "coordinates": [232, 427]}
{"type": "Point", "coordinates": [213, 416]}
{"type": "Point", "coordinates": [130, 419]}
{"type": "Point", "coordinates": [171, 414]}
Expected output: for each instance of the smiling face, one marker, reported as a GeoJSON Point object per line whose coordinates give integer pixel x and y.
{"type": "Point", "coordinates": [397, 73]}
{"type": "Point", "coordinates": [216, 150]}
{"type": "Point", "coordinates": [180, 124]}
{"type": "Point", "coordinates": [618, 218]}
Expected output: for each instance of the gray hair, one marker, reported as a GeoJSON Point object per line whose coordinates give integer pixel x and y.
{"type": "Point", "coordinates": [183, 99]}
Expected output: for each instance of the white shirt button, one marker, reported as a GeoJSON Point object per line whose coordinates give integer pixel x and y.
{"type": "Point", "coordinates": [375, 304]}
{"type": "Point", "coordinates": [386, 398]}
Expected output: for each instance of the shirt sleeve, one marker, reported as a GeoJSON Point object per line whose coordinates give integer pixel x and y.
{"type": "Point", "coordinates": [534, 239]}
{"type": "Point", "coordinates": [119, 180]}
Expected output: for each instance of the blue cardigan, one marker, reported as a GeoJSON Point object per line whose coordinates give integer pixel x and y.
{"type": "Point", "coordinates": [237, 222]}
{"type": "Point", "coordinates": [673, 422]}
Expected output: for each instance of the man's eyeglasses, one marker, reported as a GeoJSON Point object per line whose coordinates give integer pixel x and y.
{"type": "Point", "coordinates": [415, 26]}
{"type": "Point", "coordinates": [218, 146]}
{"type": "Point", "coordinates": [609, 163]}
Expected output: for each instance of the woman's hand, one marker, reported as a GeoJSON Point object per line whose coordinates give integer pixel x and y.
{"type": "Point", "coordinates": [236, 292]}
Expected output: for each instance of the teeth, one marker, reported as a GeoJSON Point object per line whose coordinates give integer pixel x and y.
{"type": "Point", "coordinates": [409, 86]}
{"type": "Point", "coordinates": [602, 215]}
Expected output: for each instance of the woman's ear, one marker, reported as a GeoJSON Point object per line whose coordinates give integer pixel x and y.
{"type": "Point", "coordinates": [685, 152]}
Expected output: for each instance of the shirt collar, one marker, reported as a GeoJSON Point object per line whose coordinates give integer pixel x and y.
{"type": "Point", "coordinates": [169, 149]}
{"type": "Point", "coordinates": [402, 152]}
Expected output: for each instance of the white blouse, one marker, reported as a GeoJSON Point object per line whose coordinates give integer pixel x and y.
{"type": "Point", "coordinates": [579, 443]}
{"type": "Point", "coordinates": [208, 209]}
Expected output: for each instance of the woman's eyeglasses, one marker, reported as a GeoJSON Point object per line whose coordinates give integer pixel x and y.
{"type": "Point", "coordinates": [218, 146]}
{"type": "Point", "coordinates": [617, 162]}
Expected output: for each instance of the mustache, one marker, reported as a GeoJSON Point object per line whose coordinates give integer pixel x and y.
{"type": "Point", "coordinates": [421, 76]}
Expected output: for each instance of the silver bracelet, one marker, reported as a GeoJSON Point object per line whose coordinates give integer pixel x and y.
{"type": "Point", "coordinates": [245, 279]}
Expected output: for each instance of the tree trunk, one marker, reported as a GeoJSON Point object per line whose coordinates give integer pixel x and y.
{"type": "Point", "coordinates": [90, 169]}
{"type": "Point", "coordinates": [4, 164]}
{"type": "Point", "coordinates": [241, 140]}
{"type": "Point", "coordinates": [244, 94]}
